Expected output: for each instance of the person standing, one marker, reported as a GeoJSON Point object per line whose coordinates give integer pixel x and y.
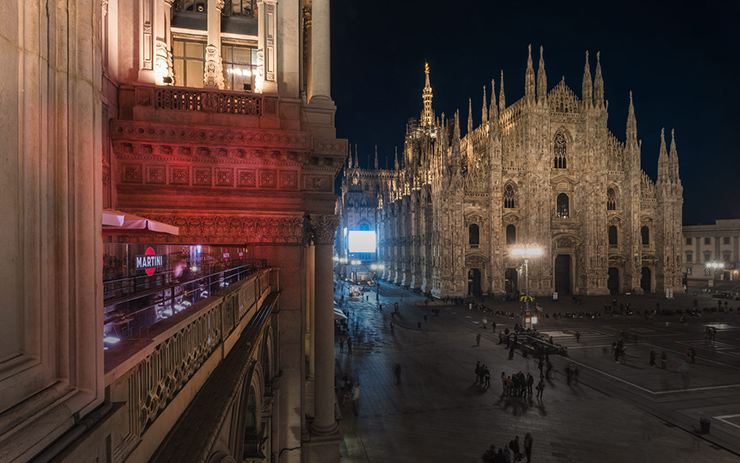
{"type": "Point", "coordinates": [425, 317]}
{"type": "Point", "coordinates": [530, 384]}
{"type": "Point", "coordinates": [477, 372]}
{"type": "Point", "coordinates": [486, 376]}
{"type": "Point", "coordinates": [355, 398]}
{"type": "Point", "coordinates": [528, 442]}
{"type": "Point", "coordinates": [578, 336]}
{"type": "Point", "coordinates": [514, 446]}
{"type": "Point", "coordinates": [494, 327]}
{"type": "Point", "coordinates": [485, 323]}
{"type": "Point", "coordinates": [693, 355]}
{"type": "Point", "coordinates": [652, 358]}
{"type": "Point", "coordinates": [477, 339]}
{"type": "Point", "coordinates": [540, 388]}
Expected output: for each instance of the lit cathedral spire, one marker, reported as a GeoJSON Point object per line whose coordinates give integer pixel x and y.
{"type": "Point", "coordinates": [501, 96]}
{"type": "Point", "coordinates": [376, 157]}
{"type": "Point", "coordinates": [484, 111]}
{"type": "Point", "coordinates": [470, 115]}
{"type": "Point", "coordinates": [674, 159]}
{"type": "Point", "coordinates": [662, 159]}
{"type": "Point", "coordinates": [427, 115]}
{"type": "Point", "coordinates": [542, 81]}
{"type": "Point", "coordinates": [529, 85]}
{"type": "Point", "coordinates": [492, 111]}
{"type": "Point", "coordinates": [631, 123]}
{"type": "Point", "coordinates": [587, 93]}
{"type": "Point", "coordinates": [598, 84]}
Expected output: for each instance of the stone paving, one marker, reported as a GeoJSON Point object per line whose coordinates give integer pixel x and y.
{"type": "Point", "coordinates": [618, 413]}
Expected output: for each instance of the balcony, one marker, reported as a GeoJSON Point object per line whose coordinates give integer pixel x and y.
{"type": "Point", "coordinates": [156, 372]}
{"type": "Point", "coordinates": [198, 106]}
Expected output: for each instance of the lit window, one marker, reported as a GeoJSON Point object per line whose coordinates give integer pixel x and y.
{"type": "Point", "coordinates": [563, 209]}
{"type": "Point", "coordinates": [189, 61]}
{"type": "Point", "coordinates": [239, 65]}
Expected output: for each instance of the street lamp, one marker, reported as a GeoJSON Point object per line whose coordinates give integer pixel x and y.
{"type": "Point", "coordinates": [375, 268]}
{"type": "Point", "coordinates": [526, 251]}
{"type": "Point", "coordinates": [716, 265]}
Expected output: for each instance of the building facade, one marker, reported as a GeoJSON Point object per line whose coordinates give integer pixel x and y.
{"type": "Point", "coordinates": [215, 116]}
{"type": "Point", "coordinates": [544, 170]}
{"type": "Point", "coordinates": [718, 243]}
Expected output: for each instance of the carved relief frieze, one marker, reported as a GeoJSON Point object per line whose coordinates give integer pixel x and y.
{"type": "Point", "coordinates": [131, 173]}
{"type": "Point", "coordinates": [317, 183]}
{"type": "Point", "coordinates": [202, 176]}
{"type": "Point", "coordinates": [267, 178]}
{"type": "Point", "coordinates": [289, 180]}
{"type": "Point", "coordinates": [246, 178]}
{"type": "Point", "coordinates": [224, 177]}
{"type": "Point", "coordinates": [179, 175]}
{"type": "Point", "coordinates": [156, 174]}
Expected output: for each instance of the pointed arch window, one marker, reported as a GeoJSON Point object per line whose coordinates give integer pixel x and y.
{"type": "Point", "coordinates": [563, 206]}
{"type": "Point", "coordinates": [613, 236]}
{"type": "Point", "coordinates": [560, 151]}
{"type": "Point", "coordinates": [474, 235]}
{"type": "Point", "coordinates": [611, 200]}
{"type": "Point", "coordinates": [509, 197]}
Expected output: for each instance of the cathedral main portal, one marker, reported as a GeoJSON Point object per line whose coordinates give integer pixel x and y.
{"type": "Point", "coordinates": [562, 274]}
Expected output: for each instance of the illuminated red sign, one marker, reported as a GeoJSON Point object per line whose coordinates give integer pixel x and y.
{"type": "Point", "coordinates": [150, 261]}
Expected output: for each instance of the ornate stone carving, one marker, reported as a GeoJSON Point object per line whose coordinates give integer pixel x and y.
{"type": "Point", "coordinates": [163, 70]}
{"type": "Point", "coordinates": [213, 70]}
{"type": "Point", "coordinates": [324, 228]}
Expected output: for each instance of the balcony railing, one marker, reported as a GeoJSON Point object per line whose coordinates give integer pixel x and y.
{"type": "Point", "coordinates": [222, 102]}
{"type": "Point", "coordinates": [147, 371]}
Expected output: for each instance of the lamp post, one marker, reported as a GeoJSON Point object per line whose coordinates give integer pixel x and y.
{"type": "Point", "coordinates": [526, 251]}
{"type": "Point", "coordinates": [375, 268]}
{"type": "Point", "coordinates": [716, 265]}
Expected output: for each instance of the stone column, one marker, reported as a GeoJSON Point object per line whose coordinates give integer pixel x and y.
{"type": "Point", "coordinates": [320, 73]}
{"type": "Point", "coordinates": [213, 74]}
{"type": "Point", "coordinates": [324, 423]}
{"type": "Point", "coordinates": [163, 69]}
{"type": "Point", "coordinates": [267, 38]}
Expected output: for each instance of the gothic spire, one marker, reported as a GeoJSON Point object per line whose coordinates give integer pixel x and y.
{"type": "Point", "coordinates": [376, 157]}
{"type": "Point", "coordinates": [470, 116]}
{"type": "Point", "coordinates": [598, 84]}
{"type": "Point", "coordinates": [674, 157]}
{"type": "Point", "coordinates": [542, 80]}
{"type": "Point", "coordinates": [456, 126]}
{"type": "Point", "coordinates": [349, 156]}
{"type": "Point", "coordinates": [493, 110]}
{"type": "Point", "coordinates": [357, 159]}
{"type": "Point", "coordinates": [529, 86]}
{"type": "Point", "coordinates": [484, 111]}
{"type": "Point", "coordinates": [427, 114]}
{"type": "Point", "coordinates": [662, 159]}
{"type": "Point", "coordinates": [631, 123]}
{"type": "Point", "coordinates": [501, 96]}
{"type": "Point", "coordinates": [587, 93]}
{"type": "Point", "coordinates": [395, 163]}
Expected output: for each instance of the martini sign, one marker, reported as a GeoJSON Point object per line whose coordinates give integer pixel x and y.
{"type": "Point", "coordinates": [149, 262]}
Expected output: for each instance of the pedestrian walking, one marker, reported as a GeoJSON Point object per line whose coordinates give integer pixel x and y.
{"type": "Point", "coordinates": [652, 358]}
{"type": "Point", "coordinates": [530, 384]}
{"type": "Point", "coordinates": [425, 317]}
{"type": "Point", "coordinates": [355, 398]}
{"type": "Point", "coordinates": [397, 373]}
{"type": "Point", "coordinates": [578, 336]}
{"type": "Point", "coordinates": [486, 376]}
{"type": "Point", "coordinates": [540, 388]}
{"type": "Point", "coordinates": [494, 326]}
{"type": "Point", "coordinates": [693, 355]}
{"type": "Point", "coordinates": [477, 372]}
{"type": "Point", "coordinates": [574, 372]}
{"type": "Point", "coordinates": [511, 351]}
{"type": "Point", "coordinates": [528, 442]}
{"type": "Point", "coordinates": [514, 446]}
{"type": "Point", "coordinates": [663, 360]}
{"type": "Point", "coordinates": [568, 374]}
{"type": "Point", "coordinates": [393, 325]}
{"type": "Point", "coordinates": [485, 323]}
{"type": "Point", "coordinates": [477, 339]}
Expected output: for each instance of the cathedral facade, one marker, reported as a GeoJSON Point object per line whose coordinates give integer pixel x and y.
{"type": "Point", "coordinates": [544, 171]}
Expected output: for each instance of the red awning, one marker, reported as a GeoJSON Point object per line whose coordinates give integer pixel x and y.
{"type": "Point", "coordinates": [123, 223]}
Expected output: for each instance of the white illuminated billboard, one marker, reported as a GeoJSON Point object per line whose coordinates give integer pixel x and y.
{"type": "Point", "coordinates": [361, 241]}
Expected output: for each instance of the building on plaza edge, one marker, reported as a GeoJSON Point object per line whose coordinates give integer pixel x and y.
{"type": "Point", "coordinates": [214, 117]}
{"type": "Point", "coordinates": [544, 170]}
{"type": "Point", "coordinates": [712, 253]}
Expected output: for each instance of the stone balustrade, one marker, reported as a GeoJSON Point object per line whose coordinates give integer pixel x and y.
{"type": "Point", "coordinates": [157, 372]}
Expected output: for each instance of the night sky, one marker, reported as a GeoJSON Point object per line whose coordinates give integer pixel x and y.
{"type": "Point", "coordinates": [680, 60]}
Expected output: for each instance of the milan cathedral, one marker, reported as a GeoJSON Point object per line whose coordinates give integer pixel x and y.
{"type": "Point", "coordinates": [542, 171]}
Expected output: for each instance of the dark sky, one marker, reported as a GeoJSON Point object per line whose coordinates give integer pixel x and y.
{"type": "Point", "coordinates": [680, 59]}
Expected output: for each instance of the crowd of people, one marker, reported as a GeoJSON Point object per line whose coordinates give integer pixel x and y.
{"type": "Point", "coordinates": [512, 452]}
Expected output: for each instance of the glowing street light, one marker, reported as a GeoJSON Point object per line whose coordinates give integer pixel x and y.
{"type": "Point", "coordinates": [526, 251]}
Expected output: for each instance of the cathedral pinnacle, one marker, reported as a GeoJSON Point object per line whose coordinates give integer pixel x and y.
{"type": "Point", "coordinates": [456, 126]}
{"type": "Point", "coordinates": [598, 84]}
{"type": "Point", "coordinates": [631, 123]}
{"type": "Point", "coordinates": [529, 86]}
{"type": "Point", "coordinates": [395, 162]}
{"type": "Point", "coordinates": [501, 96]}
{"type": "Point", "coordinates": [349, 156]}
{"type": "Point", "coordinates": [427, 114]}
{"type": "Point", "coordinates": [662, 159]}
{"type": "Point", "coordinates": [376, 157]}
{"type": "Point", "coordinates": [586, 90]}
{"type": "Point", "coordinates": [357, 159]}
{"type": "Point", "coordinates": [484, 111]}
{"type": "Point", "coordinates": [542, 80]}
{"type": "Point", "coordinates": [674, 158]}
{"type": "Point", "coordinates": [470, 116]}
{"type": "Point", "coordinates": [492, 111]}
